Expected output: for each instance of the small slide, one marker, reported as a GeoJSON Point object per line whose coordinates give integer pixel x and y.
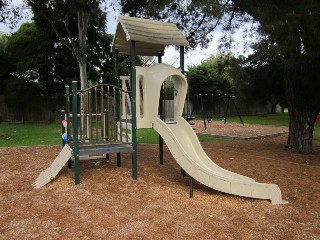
{"type": "Point", "coordinates": [185, 147]}
{"type": "Point", "coordinates": [49, 174]}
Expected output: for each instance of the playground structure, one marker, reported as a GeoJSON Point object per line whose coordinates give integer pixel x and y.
{"type": "Point", "coordinates": [106, 130]}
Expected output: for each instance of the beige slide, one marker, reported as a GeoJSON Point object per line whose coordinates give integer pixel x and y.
{"type": "Point", "coordinates": [187, 151]}
{"type": "Point", "coordinates": [52, 171]}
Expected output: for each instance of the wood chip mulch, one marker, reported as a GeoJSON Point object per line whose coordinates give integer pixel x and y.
{"type": "Point", "coordinates": [237, 130]}
{"type": "Point", "coordinates": [108, 204]}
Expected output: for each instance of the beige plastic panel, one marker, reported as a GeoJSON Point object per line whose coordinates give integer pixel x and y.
{"type": "Point", "coordinates": [125, 100]}
{"type": "Point", "coordinates": [151, 80]}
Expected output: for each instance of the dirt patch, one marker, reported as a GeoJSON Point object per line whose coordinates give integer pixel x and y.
{"type": "Point", "coordinates": [108, 204]}
{"type": "Point", "coordinates": [237, 130]}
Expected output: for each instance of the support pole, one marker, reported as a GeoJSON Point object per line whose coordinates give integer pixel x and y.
{"type": "Point", "coordinates": [63, 130]}
{"type": "Point", "coordinates": [182, 59]}
{"type": "Point", "coordinates": [161, 115]}
{"type": "Point", "coordinates": [191, 187]}
{"type": "Point", "coordinates": [117, 75]}
{"type": "Point", "coordinates": [133, 109]}
{"type": "Point", "coordinates": [75, 132]}
{"type": "Point", "coordinates": [203, 111]}
{"type": "Point", "coordinates": [226, 114]}
{"type": "Point", "coordinates": [234, 104]}
{"type": "Point", "coordinates": [68, 118]}
{"type": "Point", "coordinates": [183, 173]}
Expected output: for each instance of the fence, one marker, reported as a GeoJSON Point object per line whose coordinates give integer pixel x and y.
{"type": "Point", "coordinates": [44, 113]}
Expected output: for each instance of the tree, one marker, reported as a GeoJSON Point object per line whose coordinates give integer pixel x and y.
{"type": "Point", "coordinates": [34, 58]}
{"type": "Point", "coordinates": [213, 76]}
{"type": "Point", "coordinates": [264, 75]}
{"type": "Point", "coordinates": [293, 29]}
{"type": "Point", "coordinates": [20, 72]}
{"type": "Point", "coordinates": [70, 22]}
{"type": "Point", "coordinates": [4, 63]}
{"type": "Point", "coordinates": [74, 23]}
{"type": "Point", "coordinates": [69, 14]}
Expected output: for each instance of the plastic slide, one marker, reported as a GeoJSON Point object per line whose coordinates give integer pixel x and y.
{"type": "Point", "coordinates": [49, 174]}
{"type": "Point", "coordinates": [187, 151]}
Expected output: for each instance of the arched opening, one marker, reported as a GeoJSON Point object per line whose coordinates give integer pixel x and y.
{"type": "Point", "coordinates": [173, 99]}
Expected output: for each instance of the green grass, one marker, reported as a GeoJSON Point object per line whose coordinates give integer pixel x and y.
{"type": "Point", "coordinates": [150, 136]}
{"type": "Point", "coordinates": [278, 119]}
{"type": "Point", "coordinates": [316, 131]}
{"type": "Point", "coordinates": [50, 133]}
{"type": "Point", "coordinates": [28, 134]}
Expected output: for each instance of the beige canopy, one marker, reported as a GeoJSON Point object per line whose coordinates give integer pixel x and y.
{"type": "Point", "coordinates": [151, 36]}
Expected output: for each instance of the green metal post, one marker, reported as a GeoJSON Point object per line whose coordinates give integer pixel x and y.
{"type": "Point", "coordinates": [161, 116]}
{"type": "Point", "coordinates": [117, 75]}
{"type": "Point", "coordinates": [183, 173]}
{"type": "Point", "coordinates": [182, 59]}
{"type": "Point", "coordinates": [75, 132]}
{"type": "Point", "coordinates": [133, 110]}
{"type": "Point", "coordinates": [68, 118]}
{"type": "Point", "coordinates": [63, 130]}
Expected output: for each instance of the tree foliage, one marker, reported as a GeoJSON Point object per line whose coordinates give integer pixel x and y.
{"type": "Point", "coordinates": [264, 76]}
{"type": "Point", "coordinates": [28, 77]}
{"type": "Point", "coordinates": [33, 58]}
{"type": "Point", "coordinates": [74, 22]}
{"type": "Point", "coordinates": [10, 13]}
{"type": "Point", "coordinates": [292, 29]}
{"type": "Point", "coordinates": [213, 76]}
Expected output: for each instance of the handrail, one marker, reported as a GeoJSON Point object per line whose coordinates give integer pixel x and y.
{"type": "Point", "coordinates": [102, 85]}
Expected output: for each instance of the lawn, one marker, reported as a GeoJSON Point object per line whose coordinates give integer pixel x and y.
{"type": "Point", "coordinates": [32, 134]}
{"type": "Point", "coordinates": [279, 119]}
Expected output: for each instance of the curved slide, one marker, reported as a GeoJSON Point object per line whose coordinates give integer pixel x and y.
{"type": "Point", "coordinates": [185, 147]}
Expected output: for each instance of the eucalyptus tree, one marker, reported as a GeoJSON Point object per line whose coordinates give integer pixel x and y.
{"type": "Point", "coordinates": [70, 21]}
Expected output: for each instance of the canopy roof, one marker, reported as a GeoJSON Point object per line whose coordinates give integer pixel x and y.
{"type": "Point", "coordinates": [151, 36]}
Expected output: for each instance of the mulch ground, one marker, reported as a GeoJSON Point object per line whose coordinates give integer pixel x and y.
{"type": "Point", "coordinates": [108, 204]}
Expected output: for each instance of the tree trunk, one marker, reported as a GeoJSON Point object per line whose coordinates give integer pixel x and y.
{"type": "Point", "coordinates": [83, 21]}
{"type": "Point", "coordinates": [83, 75]}
{"type": "Point", "coordinates": [303, 112]}
{"type": "Point", "coordinates": [301, 128]}
{"type": "Point", "coordinates": [273, 108]}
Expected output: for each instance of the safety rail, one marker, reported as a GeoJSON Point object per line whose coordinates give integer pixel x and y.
{"type": "Point", "coordinates": [102, 115]}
